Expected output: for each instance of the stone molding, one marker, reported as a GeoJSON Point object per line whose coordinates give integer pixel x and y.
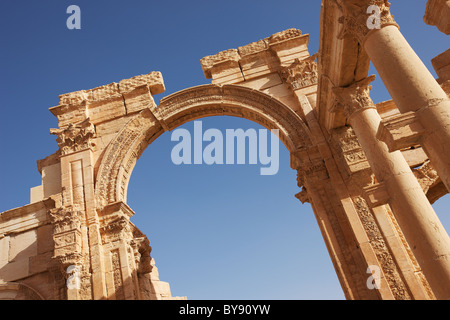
{"type": "Point", "coordinates": [231, 57]}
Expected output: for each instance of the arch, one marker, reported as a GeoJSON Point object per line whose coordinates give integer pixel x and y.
{"type": "Point", "coordinates": [190, 104]}
{"type": "Point", "coordinates": [18, 291]}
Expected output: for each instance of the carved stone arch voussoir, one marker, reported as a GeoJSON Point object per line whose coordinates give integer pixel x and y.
{"type": "Point", "coordinates": [187, 105]}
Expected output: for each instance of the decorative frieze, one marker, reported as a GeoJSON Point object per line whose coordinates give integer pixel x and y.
{"type": "Point", "coordinates": [348, 152]}
{"type": "Point", "coordinates": [67, 235]}
{"type": "Point", "coordinates": [115, 230]}
{"type": "Point", "coordinates": [117, 275]}
{"type": "Point", "coordinates": [68, 256]}
{"type": "Point", "coordinates": [387, 262]}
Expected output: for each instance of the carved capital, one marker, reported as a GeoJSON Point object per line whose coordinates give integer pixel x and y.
{"type": "Point", "coordinates": [115, 223]}
{"type": "Point", "coordinates": [301, 73]}
{"type": "Point", "coordinates": [355, 97]}
{"type": "Point", "coordinates": [116, 229]}
{"type": "Point", "coordinates": [310, 166]}
{"type": "Point", "coordinates": [65, 219]}
{"type": "Point", "coordinates": [360, 17]}
{"type": "Point", "coordinates": [67, 238]}
{"type": "Point", "coordinates": [75, 137]}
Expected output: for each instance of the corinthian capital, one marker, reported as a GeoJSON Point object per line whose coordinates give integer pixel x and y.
{"type": "Point", "coordinates": [75, 137]}
{"type": "Point", "coordinates": [301, 73]}
{"type": "Point", "coordinates": [360, 17]}
{"type": "Point", "coordinates": [355, 97]}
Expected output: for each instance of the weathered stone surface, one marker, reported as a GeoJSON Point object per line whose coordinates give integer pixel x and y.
{"type": "Point", "coordinates": [76, 241]}
{"type": "Point", "coordinates": [437, 14]}
{"type": "Point", "coordinates": [441, 64]}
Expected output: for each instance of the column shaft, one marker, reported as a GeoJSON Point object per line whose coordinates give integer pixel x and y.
{"type": "Point", "coordinates": [413, 88]}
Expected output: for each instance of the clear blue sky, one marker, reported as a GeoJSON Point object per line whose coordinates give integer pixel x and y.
{"type": "Point", "coordinates": [217, 232]}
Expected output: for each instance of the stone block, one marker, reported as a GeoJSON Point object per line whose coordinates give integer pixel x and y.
{"type": "Point", "coordinates": [441, 65]}
{"type": "Point", "coordinates": [437, 14]}
{"type": "Point", "coordinates": [138, 99]}
{"type": "Point", "coordinates": [415, 157]}
{"type": "Point", "coordinates": [36, 194]}
{"type": "Point", "coordinates": [23, 245]}
{"type": "Point", "coordinates": [14, 270]}
{"type": "Point", "coordinates": [51, 180]}
{"type": "Point", "coordinates": [264, 82]}
{"type": "Point", "coordinates": [154, 81]}
{"type": "Point", "coordinates": [45, 239]}
{"type": "Point", "coordinates": [4, 251]}
{"type": "Point", "coordinates": [401, 131]}
{"type": "Point", "coordinates": [106, 110]}
{"type": "Point", "coordinates": [40, 263]}
{"type": "Point", "coordinates": [68, 114]}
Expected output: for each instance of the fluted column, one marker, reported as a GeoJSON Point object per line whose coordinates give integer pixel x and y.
{"type": "Point", "coordinates": [420, 224]}
{"type": "Point", "coordinates": [409, 82]}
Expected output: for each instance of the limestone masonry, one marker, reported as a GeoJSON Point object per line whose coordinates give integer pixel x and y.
{"type": "Point", "coordinates": [370, 171]}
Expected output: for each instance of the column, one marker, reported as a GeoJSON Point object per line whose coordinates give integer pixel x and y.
{"type": "Point", "coordinates": [420, 224]}
{"type": "Point", "coordinates": [412, 87]}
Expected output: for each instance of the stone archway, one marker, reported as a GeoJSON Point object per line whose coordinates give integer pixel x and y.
{"type": "Point", "coordinates": [187, 105]}
{"type": "Point", "coordinates": [99, 152]}
{"type": "Point", "coordinates": [81, 243]}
